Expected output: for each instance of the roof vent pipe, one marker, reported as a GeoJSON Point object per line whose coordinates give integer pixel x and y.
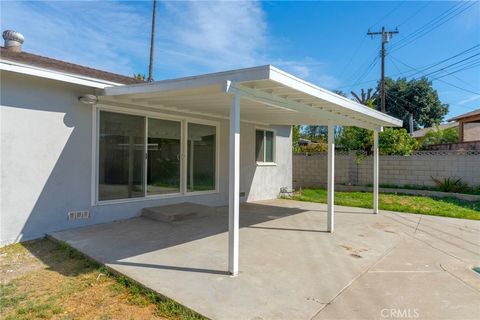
{"type": "Point", "coordinates": [13, 40]}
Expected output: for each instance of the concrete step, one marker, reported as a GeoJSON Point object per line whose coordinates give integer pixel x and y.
{"type": "Point", "coordinates": [176, 212]}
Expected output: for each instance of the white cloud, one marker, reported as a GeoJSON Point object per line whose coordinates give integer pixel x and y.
{"type": "Point", "coordinates": [211, 36]}
{"type": "Point", "coordinates": [103, 35]}
{"type": "Point", "coordinates": [192, 37]}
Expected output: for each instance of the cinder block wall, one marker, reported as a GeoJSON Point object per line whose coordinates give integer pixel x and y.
{"type": "Point", "coordinates": [310, 171]}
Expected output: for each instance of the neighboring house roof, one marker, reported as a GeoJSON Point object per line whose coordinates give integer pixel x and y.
{"type": "Point", "coordinates": [421, 132]}
{"type": "Point", "coordinates": [465, 115]}
{"type": "Point", "coordinates": [62, 66]}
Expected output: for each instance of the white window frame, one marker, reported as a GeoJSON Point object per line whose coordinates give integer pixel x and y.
{"type": "Point", "coordinates": [183, 156]}
{"type": "Point", "coordinates": [265, 163]}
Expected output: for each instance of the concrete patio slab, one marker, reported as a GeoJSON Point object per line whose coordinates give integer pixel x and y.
{"type": "Point", "coordinates": [413, 295]}
{"type": "Point", "coordinates": [290, 268]}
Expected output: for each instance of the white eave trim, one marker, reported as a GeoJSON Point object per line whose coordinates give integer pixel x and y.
{"type": "Point", "coordinates": [55, 75]}
{"type": "Point", "coordinates": [218, 78]}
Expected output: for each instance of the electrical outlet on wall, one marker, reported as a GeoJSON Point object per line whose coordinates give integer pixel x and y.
{"type": "Point", "coordinates": [77, 215]}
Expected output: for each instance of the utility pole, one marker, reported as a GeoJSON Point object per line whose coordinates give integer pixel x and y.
{"type": "Point", "coordinates": [152, 42]}
{"type": "Point", "coordinates": [386, 35]}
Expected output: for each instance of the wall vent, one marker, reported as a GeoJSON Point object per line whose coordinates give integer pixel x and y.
{"type": "Point", "coordinates": [77, 215]}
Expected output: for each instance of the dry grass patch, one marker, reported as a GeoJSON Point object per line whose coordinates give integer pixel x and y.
{"type": "Point", "coordinates": [46, 280]}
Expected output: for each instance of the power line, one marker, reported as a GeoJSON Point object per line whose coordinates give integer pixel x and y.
{"type": "Point", "coordinates": [367, 71]}
{"type": "Point", "coordinates": [387, 15]}
{"type": "Point", "coordinates": [425, 68]}
{"type": "Point", "coordinates": [353, 55]}
{"type": "Point", "coordinates": [436, 19]}
{"type": "Point", "coordinates": [448, 83]}
{"type": "Point", "coordinates": [414, 14]}
{"type": "Point", "coordinates": [430, 25]}
{"type": "Point", "coordinates": [386, 35]}
{"type": "Point", "coordinates": [419, 70]}
{"type": "Point", "coordinates": [405, 101]}
{"type": "Point", "coordinates": [470, 66]}
{"type": "Point", "coordinates": [453, 64]}
{"type": "Point", "coordinates": [363, 40]}
{"type": "Point", "coordinates": [360, 78]}
{"type": "Point", "coordinates": [364, 66]}
{"type": "Point", "coordinates": [433, 24]}
{"type": "Point", "coordinates": [439, 77]}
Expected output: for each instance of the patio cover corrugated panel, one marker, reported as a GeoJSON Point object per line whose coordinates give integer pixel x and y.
{"type": "Point", "coordinates": [269, 96]}
{"type": "Point", "coordinates": [264, 95]}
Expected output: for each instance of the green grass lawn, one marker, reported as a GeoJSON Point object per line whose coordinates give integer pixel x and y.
{"type": "Point", "coordinates": [446, 207]}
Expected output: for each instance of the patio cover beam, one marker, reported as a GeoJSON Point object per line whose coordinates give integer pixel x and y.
{"type": "Point", "coordinates": [280, 102]}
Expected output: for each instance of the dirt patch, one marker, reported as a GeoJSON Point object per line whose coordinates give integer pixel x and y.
{"type": "Point", "coordinates": [41, 279]}
{"type": "Point", "coordinates": [16, 261]}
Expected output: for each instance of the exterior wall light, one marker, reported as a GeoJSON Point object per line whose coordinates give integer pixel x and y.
{"type": "Point", "coordinates": [88, 99]}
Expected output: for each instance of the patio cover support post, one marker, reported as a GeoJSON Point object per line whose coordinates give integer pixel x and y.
{"type": "Point", "coordinates": [234, 186]}
{"type": "Point", "coordinates": [375, 169]}
{"type": "Point", "coordinates": [331, 177]}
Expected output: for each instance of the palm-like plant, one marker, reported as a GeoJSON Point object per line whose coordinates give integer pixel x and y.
{"type": "Point", "coordinates": [365, 98]}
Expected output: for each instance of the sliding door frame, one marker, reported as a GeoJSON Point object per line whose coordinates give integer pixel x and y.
{"type": "Point", "coordinates": [184, 121]}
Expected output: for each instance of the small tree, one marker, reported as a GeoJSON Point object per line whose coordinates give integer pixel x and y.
{"type": "Point", "coordinates": [416, 97]}
{"type": "Point", "coordinates": [139, 76]}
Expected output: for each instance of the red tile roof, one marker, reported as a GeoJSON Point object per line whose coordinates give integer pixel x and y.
{"type": "Point", "coordinates": [62, 66]}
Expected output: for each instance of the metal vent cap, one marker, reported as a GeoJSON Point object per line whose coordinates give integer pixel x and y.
{"type": "Point", "coordinates": [13, 40]}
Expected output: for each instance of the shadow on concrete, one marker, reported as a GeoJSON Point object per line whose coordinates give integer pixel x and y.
{"type": "Point", "coordinates": [288, 229]}
{"type": "Point", "coordinates": [175, 268]}
{"type": "Point", "coordinates": [113, 243]}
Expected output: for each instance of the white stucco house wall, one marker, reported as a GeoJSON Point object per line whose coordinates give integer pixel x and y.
{"type": "Point", "coordinates": [48, 142]}
{"type": "Point", "coordinates": [81, 146]}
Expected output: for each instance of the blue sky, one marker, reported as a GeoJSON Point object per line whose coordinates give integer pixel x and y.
{"type": "Point", "coordinates": [323, 42]}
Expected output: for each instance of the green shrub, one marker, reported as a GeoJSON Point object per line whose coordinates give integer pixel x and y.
{"type": "Point", "coordinates": [396, 142]}
{"type": "Point", "coordinates": [391, 141]}
{"type": "Point", "coordinates": [353, 138]}
{"type": "Point", "coordinates": [451, 185]}
{"type": "Point", "coordinates": [439, 136]}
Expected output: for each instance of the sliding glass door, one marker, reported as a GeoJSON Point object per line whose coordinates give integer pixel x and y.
{"type": "Point", "coordinates": [141, 156]}
{"type": "Point", "coordinates": [121, 156]}
{"type": "Point", "coordinates": [164, 154]}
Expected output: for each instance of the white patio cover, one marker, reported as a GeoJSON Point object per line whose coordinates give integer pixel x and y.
{"type": "Point", "coordinates": [263, 95]}
{"type": "Point", "coordinates": [269, 96]}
